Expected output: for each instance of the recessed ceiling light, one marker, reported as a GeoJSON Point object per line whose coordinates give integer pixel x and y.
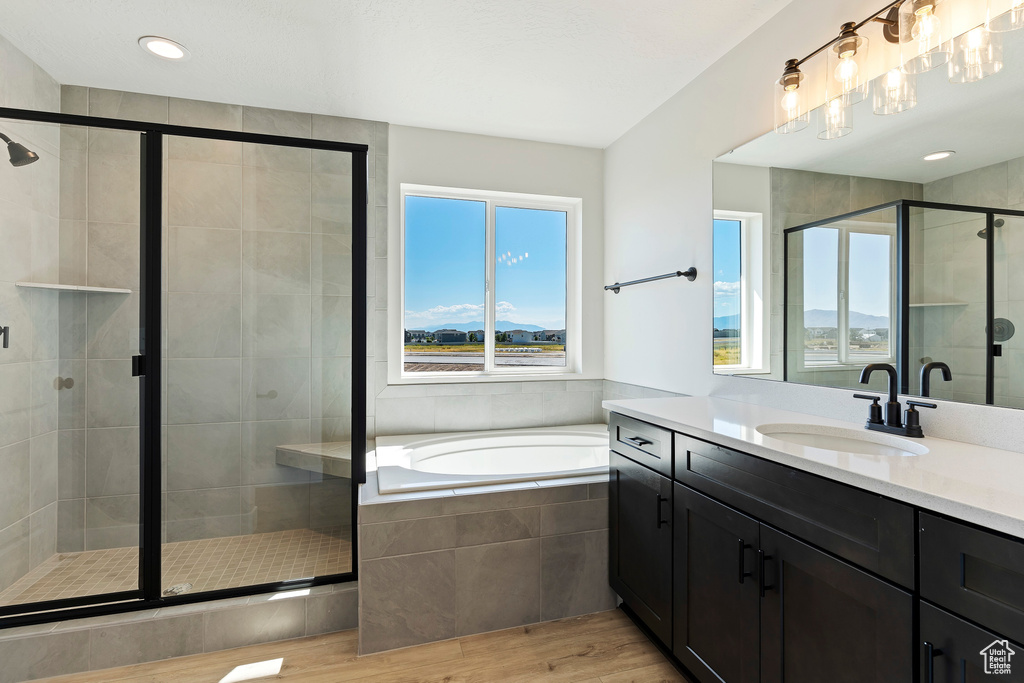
{"type": "Point", "coordinates": [936, 156]}
{"type": "Point", "coordinates": [164, 48]}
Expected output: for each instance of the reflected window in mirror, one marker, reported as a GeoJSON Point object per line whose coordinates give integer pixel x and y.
{"type": "Point", "coordinates": [740, 300]}
{"type": "Point", "coordinates": [847, 297]}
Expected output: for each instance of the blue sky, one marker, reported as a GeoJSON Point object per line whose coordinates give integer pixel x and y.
{"type": "Point", "coordinates": [445, 261]}
{"type": "Point", "coordinates": [727, 268]}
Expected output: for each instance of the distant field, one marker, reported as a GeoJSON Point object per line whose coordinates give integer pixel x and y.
{"type": "Point", "coordinates": [478, 348]}
{"type": "Point", "coordinates": [727, 351]}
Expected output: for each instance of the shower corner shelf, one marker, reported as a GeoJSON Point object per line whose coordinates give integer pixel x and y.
{"type": "Point", "coordinates": [72, 288]}
{"type": "Point", "coordinates": [936, 304]}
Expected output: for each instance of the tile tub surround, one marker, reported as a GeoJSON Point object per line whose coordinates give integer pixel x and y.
{"type": "Point", "coordinates": [434, 567]}
{"type": "Point", "coordinates": [976, 484]}
{"type": "Point", "coordinates": [70, 647]}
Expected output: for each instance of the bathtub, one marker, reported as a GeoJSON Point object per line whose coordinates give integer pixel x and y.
{"type": "Point", "coordinates": [426, 462]}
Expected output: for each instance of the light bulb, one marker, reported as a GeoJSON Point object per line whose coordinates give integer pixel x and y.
{"type": "Point", "coordinates": [846, 71]}
{"type": "Point", "coordinates": [894, 79]}
{"type": "Point", "coordinates": [790, 102]}
{"type": "Point", "coordinates": [926, 26]}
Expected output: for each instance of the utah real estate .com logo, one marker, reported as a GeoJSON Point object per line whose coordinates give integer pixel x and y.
{"type": "Point", "coordinates": [997, 657]}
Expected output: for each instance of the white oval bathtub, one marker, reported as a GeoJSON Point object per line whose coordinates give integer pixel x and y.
{"type": "Point", "coordinates": [448, 461]}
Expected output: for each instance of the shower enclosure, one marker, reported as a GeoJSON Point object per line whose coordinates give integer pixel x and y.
{"type": "Point", "coordinates": [182, 353]}
{"type": "Point", "coordinates": [943, 288]}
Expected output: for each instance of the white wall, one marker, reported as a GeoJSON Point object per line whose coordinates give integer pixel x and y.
{"type": "Point", "coordinates": [442, 158]}
{"type": "Point", "coordinates": [658, 215]}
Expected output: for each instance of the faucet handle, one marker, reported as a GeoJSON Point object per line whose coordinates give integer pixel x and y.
{"type": "Point", "coordinates": [921, 404]}
{"type": "Point", "coordinates": [875, 410]}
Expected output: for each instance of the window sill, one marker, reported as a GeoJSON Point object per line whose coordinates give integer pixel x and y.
{"type": "Point", "coordinates": [726, 370]}
{"type": "Point", "coordinates": [484, 378]}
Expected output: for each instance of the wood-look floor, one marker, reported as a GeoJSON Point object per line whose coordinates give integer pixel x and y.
{"type": "Point", "coordinates": [599, 648]}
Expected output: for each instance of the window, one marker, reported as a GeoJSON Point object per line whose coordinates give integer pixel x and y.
{"type": "Point", "coordinates": [741, 331]}
{"type": "Point", "coordinates": [848, 299]}
{"type": "Point", "coordinates": [489, 283]}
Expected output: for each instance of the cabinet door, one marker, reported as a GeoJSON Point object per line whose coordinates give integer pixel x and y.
{"type": "Point", "coordinates": [825, 620]}
{"type": "Point", "coordinates": [640, 506]}
{"type": "Point", "coordinates": [716, 604]}
{"type": "Point", "coordinates": [955, 651]}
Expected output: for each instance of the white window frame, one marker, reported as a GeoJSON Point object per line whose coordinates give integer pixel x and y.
{"type": "Point", "coordinates": [573, 208]}
{"type": "Point", "coordinates": [843, 360]}
{"type": "Point", "coordinates": [755, 294]}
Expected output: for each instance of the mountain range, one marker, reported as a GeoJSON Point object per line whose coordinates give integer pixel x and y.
{"type": "Point", "coordinates": [500, 326]}
{"type": "Point", "coordinates": [815, 317]}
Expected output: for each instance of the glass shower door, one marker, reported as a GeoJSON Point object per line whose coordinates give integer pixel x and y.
{"type": "Point", "coordinates": [259, 358]}
{"type": "Point", "coordinates": [1008, 311]}
{"type": "Point", "coordinates": [948, 302]}
{"type": "Point", "coordinates": [69, 410]}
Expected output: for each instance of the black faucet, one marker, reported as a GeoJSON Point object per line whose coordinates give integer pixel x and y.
{"type": "Point", "coordinates": [893, 407]}
{"type": "Point", "coordinates": [926, 376]}
{"type": "Point", "coordinates": [893, 422]}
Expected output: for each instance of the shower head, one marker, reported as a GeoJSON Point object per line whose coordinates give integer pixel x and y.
{"type": "Point", "coordinates": [983, 233]}
{"type": "Point", "coordinates": [20, 154]}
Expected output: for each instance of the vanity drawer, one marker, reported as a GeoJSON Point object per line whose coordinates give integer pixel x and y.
{"type": "Point", "coordinates": [862, 527]}
{"type": "Point", "coordinates": [976, 574]}
{"type": "Point", "coordinates": [642, 442]}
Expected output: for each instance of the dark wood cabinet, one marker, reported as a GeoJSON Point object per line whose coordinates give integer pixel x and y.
{"type": "Point", "coordinates": [974, 573]}
{"type": "Point", "coordinates": [640, 542]}
{"type": "Point", "coordinates": [716, 630]}
{"type": "Point", "coordinates": [825, 620]}
{"type": "Point", "coordinates": [955, 651]}
{"type": "Point", "coordinates": [752, 571]}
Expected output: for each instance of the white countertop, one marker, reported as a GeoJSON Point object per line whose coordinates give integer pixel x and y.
{"type": "Point", "coordinates": [977, 484]}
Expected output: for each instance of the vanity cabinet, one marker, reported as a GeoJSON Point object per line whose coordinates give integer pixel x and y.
{"type": "Point", "coordinates": [640, 541]}
{"type": "Point", "coordinates": [956, 651]}
{"type": "Point", "coordinates": [823, 619]}
{"type": "Point", "coordinates": [754, 604]}
{"type": "Point", "coordinates": [716, 610]}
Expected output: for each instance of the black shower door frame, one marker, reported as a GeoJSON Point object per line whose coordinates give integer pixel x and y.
{"type": "Point", "coordinates": [903, 207]}
{"type": "Point", "coordinates": [147, 367]}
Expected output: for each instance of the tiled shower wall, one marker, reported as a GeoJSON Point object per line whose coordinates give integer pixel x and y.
{"type": "Point", "coordinates": [28, 252]}
{"type": "Point", "coordinates": [257, 270]}
{"type": "Point", "coordinates": [950, 259]}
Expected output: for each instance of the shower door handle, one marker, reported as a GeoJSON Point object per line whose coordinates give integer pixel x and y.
{"type": "Point", "coordinates": [5, 332]}
{"type": "Point", "coordinates": [138, 366]}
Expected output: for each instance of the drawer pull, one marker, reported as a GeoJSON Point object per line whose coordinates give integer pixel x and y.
{"type": "Point", "coordinates": [638, 441]}
{"type": "Point", "coordinates": [660, 501]}
{"type": "Point", "coordinates": [742, 559]}
{"type": "Point", "coordinates": [762, 587]}
{"type": "Point", "coordinates": [931, 652]}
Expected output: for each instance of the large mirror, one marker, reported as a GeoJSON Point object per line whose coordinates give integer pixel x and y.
{"type": "Point", "coordinates": [874, 247]}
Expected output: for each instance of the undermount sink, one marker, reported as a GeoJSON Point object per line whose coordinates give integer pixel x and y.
{"type": "Point", "coordinates": [842, 439]}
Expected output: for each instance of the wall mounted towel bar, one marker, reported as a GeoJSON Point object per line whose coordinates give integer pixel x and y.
{"type": "Point", "coordinates": [690, 274]}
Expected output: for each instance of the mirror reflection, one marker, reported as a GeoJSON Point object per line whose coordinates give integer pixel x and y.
{"type": "Point", "coordinates": [897, 243]}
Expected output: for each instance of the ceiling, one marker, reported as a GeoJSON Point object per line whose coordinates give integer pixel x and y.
{"type": "Point", "coordinates": [571, 71]}
{"type": "Point", "coordinates": [980, 121]}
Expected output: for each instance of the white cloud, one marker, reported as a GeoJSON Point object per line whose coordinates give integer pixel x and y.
{"type": "Point", "coordinates": [727, 288]}
{"type": "Point", "coordinates": [456, 313]}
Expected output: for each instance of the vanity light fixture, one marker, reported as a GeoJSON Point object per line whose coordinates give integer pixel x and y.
{"type": "Point", "coordinates": [846, 65]}
{"type": "Point", "coordinates": [977, 54]}
{"type": "Point", "coordinates": [924, 27]}
{"type": "Point", "coordinates": [894, 92]}
{"type": "Point", "coordinates": [1010, 20]}
{"type": "Point", "coordinates": [834, 120]}
{"type": "Point", "coordinates": [164, 48]}
{"type": "Point", "coordinates": [791, 112]}
{"type": "Point", "coordinates": [938, 156]}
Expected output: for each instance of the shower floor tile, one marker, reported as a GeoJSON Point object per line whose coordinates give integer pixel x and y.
{"type": "Point", "coordinates": [207, 564]}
